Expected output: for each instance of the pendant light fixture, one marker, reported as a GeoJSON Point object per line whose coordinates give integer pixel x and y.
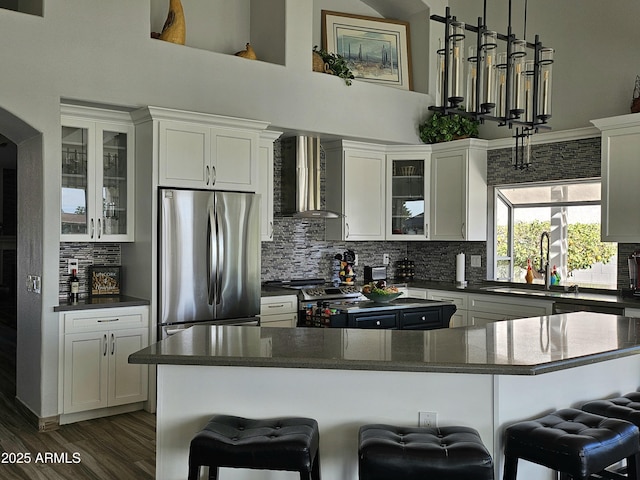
{"type": "Point", "coordinates": [508, 80]}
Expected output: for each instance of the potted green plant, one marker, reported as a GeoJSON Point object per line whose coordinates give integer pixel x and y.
{"type": "Point", "coordinates": [446, 127]}
{"type": "Point", "coordinates": [333, 64]}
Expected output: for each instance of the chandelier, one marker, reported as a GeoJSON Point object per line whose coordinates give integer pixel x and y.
{"type": "Point", "coordinates": [511, 87]}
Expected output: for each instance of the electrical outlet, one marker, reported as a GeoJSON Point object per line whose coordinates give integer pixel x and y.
{"type": "Point", "coordinates": [385, 259]}
{"type": "Point", "coordinates": [476, 261]}
{"type": "Point", "coordinates": [355, 259]}
{"type": "Point", "coordinates": [71, 264]}
{"type": "Point", "coordinates": [428, 419]}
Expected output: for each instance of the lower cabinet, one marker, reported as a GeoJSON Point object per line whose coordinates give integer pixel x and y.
{"type": "Point", "coordinates": [279, 311]}
{"type": "Point", "coordinates": [405, 319]}
{"type": "Point", "coordinates": [95, 348]}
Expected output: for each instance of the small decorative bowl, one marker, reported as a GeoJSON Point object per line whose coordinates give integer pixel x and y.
{"type": "Point", "coordinates": [382, 298]}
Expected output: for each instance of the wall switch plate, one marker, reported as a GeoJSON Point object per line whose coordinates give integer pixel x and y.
{"type": "Point", "coordinates": [355, 259]}
{"type": "Point", "coordinates": [476, 261]}
{"type": "Point", "coordinates": [385, 259]}
{"type": "Point", "coordinates": [428, 419]}
{"type": "Point", "coordinates": [71, 264]}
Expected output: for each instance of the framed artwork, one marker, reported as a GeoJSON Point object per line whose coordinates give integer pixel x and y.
{"type": "Point", "coordinates": [104, 281]}
{"type": "Point", "coordinates": [376, 49]}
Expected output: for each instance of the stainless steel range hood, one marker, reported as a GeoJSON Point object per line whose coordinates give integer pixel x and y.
{"type": "Point", "coordinates": [301, 175]}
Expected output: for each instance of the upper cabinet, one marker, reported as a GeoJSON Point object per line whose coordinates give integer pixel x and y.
{"type": "Point", "coordinates": [355, 186]}
{"type": "Point", "coordinates": [208, 151]}
{"type": "Point", "coordinates": [265, 182]}
{"type": "Point", "coordinates": [459, 190]}
{"type": "Point", "coordinates": [97, 175]}
{"type": "Point", "coordinates": [408, 187]}
{"type": "Point", "coordinates": [620, 177]}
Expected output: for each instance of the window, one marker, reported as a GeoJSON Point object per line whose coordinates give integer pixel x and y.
{"type": "Point", "coordinates": [570, 213]}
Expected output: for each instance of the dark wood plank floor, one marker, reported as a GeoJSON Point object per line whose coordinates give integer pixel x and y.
{"type": "Point", "coordinates": [119, 447]}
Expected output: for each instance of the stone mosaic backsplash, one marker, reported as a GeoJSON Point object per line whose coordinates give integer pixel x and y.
{"type": "Point", "coordinates": [88, 254]}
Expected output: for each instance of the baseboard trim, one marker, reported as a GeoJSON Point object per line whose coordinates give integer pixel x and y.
{"type": "Point", "coordinates": [42, 424]}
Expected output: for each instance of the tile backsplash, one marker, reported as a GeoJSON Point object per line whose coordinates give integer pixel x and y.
{"type": "Point", "coordinates": [88, 254]}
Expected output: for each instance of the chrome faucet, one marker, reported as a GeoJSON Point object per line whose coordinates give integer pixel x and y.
{"type": "Point", "coordinates": [544, 269]}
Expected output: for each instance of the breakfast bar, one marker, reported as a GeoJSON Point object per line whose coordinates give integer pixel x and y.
{"type": "Point", "coordinates": [481, 377]}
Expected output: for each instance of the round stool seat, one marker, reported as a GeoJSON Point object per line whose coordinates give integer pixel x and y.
{"type": "Point", "coordinates": [446, 453]}
{"type": "Point", "coordinates": [283, 443]}
{"type": "Point", "coordinates": [573, 442]}
{"type": "Point", "coordinates": [626, 407]}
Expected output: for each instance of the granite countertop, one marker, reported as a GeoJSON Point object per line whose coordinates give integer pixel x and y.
{"type": "Point", "coordinates": [100, 302]}
{"type": "Point", "coordinates": [585, 296]}
{"type": "Point", "coordinates": [526, 346]}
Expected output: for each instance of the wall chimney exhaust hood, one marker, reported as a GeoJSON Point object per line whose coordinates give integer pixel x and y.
{"type": "Point", "coordinates": [301, 173]}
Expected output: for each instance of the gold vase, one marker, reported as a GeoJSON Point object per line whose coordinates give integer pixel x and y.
{"type": "Point", "coordinates": [174, 29]}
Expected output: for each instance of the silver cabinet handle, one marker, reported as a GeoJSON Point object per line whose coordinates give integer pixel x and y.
{"type": "Point", "coordinates": [104, 320]}
{"type": "Point", "coordinates": [347, 230]}
{"type": "Point", "coordinates": [462, 230]}
{"type": "Point", "coordinates": [271, 230]}
{"type": "Point", "coordinates": [207, 175]}
{"type": "Point", "coordinates": [276, 306]}
{"type": "Point", "coordinates": [213, 180]}
{"type": "Point", "coordinates": [104, 353]}
{"type": "Point", "coordinates": [113, 344]}
{"type": "Point", "coordinates": [91, 229]}
{"type": "Point", "coordinates": [378, 322]}
{"type": "Point", "coordinates": [426, 230]}
{"type": "Point", "coordinates": [99, 228]}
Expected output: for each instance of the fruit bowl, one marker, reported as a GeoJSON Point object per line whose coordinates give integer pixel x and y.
{"type": "Point", "coordinates": [382, 297]}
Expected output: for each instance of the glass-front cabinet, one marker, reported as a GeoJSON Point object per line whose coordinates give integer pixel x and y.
{"type": "Point", "coordinates": [408, 178]}
{"type": "Point", "coordinates": [97, 179]}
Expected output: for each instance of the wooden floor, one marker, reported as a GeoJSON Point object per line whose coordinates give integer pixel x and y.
{"type": "Point", "coordinates": [119, 447]}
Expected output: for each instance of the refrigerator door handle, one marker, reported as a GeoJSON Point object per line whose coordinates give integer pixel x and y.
{"type": "Point", "coordinates": [212, 261]}
{"type": "Point", "coordinates": [219, 259]}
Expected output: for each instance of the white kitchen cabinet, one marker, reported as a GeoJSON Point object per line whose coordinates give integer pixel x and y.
{"type": "Point", "coordinates": [459, 190]}
{"type": "Point", "coordinates": [620, 177]}
{"type": "Point", "coordinates": [483, 309]}
{"type": "Point", "coordinates": [95, 347]}
{"type": "Point", "coordinates": [459, 299]}
{"type": "Point", "coordinates": [203, 151]}
{"type": "Point", "coordinates": [355, 187]}
{"type": "Point", "coordinates": [97, 195]}
{"type": "Point", "coordinates": [265, 183]}
{"type": "Point", "coordinates": [279, 311]}
{"type": "Point", "coordinates": [408, 192]}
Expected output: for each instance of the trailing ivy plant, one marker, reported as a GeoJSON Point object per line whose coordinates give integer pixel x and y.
{"type": "Point", "coordinates": [336, 63]}
{"type": "Point", "coordinates": [446, 127]}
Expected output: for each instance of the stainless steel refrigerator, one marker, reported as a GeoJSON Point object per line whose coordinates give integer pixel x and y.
{"type": "Point", "coordinates": [209, 265]}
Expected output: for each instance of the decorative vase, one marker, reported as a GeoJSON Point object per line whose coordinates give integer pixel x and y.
{"type": "Point", "coordinates": [174, 29]}
{"type": "Point", "coordinates": [248, 52]}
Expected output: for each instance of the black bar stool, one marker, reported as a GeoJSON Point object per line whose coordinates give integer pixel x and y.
{"type": "Point", "coordinates": [284, 443]}
{"type": "Point", "coordinates": [626, 407]}
{"type": "Point", "coordinates": [575, 443]}
{"type": "Point", "coordinates": [415, 453]}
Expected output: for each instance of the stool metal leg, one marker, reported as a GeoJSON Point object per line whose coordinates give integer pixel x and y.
{"type": "Point", "coordinates": [510, 468]}
{"type": "Point", "coordinates": [213, 472]}
{"type": "Point", "coordinates": [315, 473]}
{"type": "Point", "coordinates": [194, 471]}
{"type": "Point", "coordinates": [633, 467]}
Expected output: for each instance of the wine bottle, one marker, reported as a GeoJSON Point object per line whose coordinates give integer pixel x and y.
{"type": "Point", "coordinates": [74, 287]}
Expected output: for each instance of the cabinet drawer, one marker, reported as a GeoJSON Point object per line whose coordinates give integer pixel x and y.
{"type": "Point", "coordinates": [106, 319]}
{"type": "Point", "coordinates": [421, 320]}
{"type": "Point", "coordinates": [379, 320]}
{"type": "Point", "coordinates": [279, 320]}
{"type": "Point", "coordinates": [278, 305]}
{"type": "Point", "coordinates": [460, 300]}
{"type": "Point", "coordinates": [509, 307]}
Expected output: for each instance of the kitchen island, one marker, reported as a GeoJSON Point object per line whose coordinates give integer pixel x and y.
{"type": "Point", "coordinates": [483, 377]}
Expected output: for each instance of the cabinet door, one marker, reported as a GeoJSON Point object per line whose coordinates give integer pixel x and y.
{"type": "Point", "coordinates": [265, 188]}
{"type": "Point", "coordinates": [127, 382]}
{"type": "Point", "coordinates": [234, 160]}
{"type": "Point", "coordinates": [364, 195]}
{"type": "Point", "coordinates": [78, 173]}
{"type": "Point", "coordinates": [279, 320]}
{"type": "Point", "coordinates": [620, 179]}
{"type": "Point", "coordinates": [408, 205]}
{"type": "Point", "coordinates": [184, 155]}
{"type": "Point", "coordinates": [448, 195]}
{"type": "Point", "coordinates": [426, 319]}
{"type": "Point", "coordinates": [114, 183]}
{"type": "Point", "coordinates": [373, 320]}
{"type": "Point", "coordinates": [85, 371]}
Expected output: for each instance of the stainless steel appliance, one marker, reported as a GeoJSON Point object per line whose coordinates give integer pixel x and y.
{"type": "Point", "coordinates": [634, 272]}
{"type": "Point", "coordinates": [209, 259]}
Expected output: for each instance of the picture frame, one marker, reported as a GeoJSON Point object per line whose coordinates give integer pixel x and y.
{"type": "Point", "coordinates": [105, 281]}
{"type": "Point", "coordinates": [376, 50]}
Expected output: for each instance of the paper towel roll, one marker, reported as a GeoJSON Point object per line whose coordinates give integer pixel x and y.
{"type": "Point", "coordinates": [460, 268]}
